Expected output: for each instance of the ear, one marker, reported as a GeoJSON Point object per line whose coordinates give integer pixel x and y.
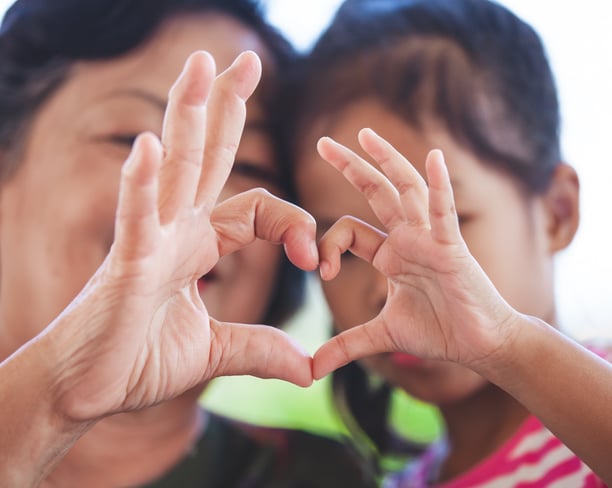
{"type": "Point", "coordinates": [562, 201]}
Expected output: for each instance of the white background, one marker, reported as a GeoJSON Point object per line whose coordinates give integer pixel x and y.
{"type": "Point", "coordinates": [578, 36]}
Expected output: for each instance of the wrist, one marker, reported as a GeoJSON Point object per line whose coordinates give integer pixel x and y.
{"type": "Point", "coordinates": [517, 342]}
{"type": "Point", "coordinates": [36, 432]}
{"type": "Point", "coordinates": [78, 338]}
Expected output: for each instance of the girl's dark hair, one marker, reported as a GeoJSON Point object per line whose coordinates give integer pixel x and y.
{"type": "Point", "coordinates": [363, 403]}
{"type": "Point", "coordinates": [40, 40]}
{"type": "Point", "coordinates": [470, 66]}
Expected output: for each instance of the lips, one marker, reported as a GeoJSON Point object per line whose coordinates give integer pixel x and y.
{"type": "Point", "coordinates": [404, 360]}
{"type": "Point", "coordinates": [207, 279]}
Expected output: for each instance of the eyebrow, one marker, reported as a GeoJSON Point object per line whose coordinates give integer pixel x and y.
{"type": "Point", "coordinates": [160, 103]}
{"type": "Point", "coordinates": [149, 97]}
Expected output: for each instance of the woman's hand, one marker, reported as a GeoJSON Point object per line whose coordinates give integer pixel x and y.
{"type": "Point", "coordinates": [440, 304]}
{"type": "Point", "coordinates": [139, 334]}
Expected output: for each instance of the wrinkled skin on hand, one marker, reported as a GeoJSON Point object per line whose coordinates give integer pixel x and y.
{"type": "Point", "coordinates": [138, 333]}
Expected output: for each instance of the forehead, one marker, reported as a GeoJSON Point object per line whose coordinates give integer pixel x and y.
{"type": "Point", "coordinates": [471, 176]}
{"type": "Point", "coordinates": [155, 65]}
{"type": "Point", "coordinates": [344, 124]}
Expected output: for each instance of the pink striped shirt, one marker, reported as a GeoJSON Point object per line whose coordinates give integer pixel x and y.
{"type": "Point", "coordinates": [533, 458]}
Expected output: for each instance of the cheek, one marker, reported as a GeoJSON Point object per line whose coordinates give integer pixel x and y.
{"type": "Point", "coordinates": [48, 258]}
{"type": "Point", "coordinates": [256, 273]}
{"type": "Point", "coordinates": [75, 243]}
{"type": "Point", "coordinates": [339, 303]}
{"type": "Point", "coordinates": [79, 197]}
{"type": "Point", "coordinates": [509, 255]}
{"type": "Point", "coordinates": [260, 261]}
{"type": "Point", "coordinates": [62, 219]}
{"type": "Point", "coordinates": [354, 296]}
{"type": "Point", "coordinates": [83, 233]}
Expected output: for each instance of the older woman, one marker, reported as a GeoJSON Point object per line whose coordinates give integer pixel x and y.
{"type": "Point", "coordinates": [79, 81]}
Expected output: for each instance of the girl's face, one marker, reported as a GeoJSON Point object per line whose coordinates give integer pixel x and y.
{"type": "Point", "coordinates": [504, 229]}
{"type": "Point", "coordinates": [57, 212]}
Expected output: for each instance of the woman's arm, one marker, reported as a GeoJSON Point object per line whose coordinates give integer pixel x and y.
{"type": "Point", "coordinates": [34, 432]}
{"type": "Point", "coordinates": [138, 333]}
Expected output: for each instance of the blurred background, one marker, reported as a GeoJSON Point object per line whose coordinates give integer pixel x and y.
{"type": "Point", "coordinates": [578, 37]}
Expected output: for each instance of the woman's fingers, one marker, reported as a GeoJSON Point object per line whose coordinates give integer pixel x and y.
{"type": "Point", "coordinates": [380, 193]}
{"type": "Point", "coordinates": [137, 218]}
{"type": "Point", "coordinates": [442, 211]}
{"type": "Point", "coordinates": [259, 350]}
{"type": "Point", "coordinates": [226, 117]}
{"type": "Point", "coordinates": [202, 129]}
{"type": "Point", "coordinates": [401, 173]}
{"type": "Point", "coordinates": [183, 134]}
{"type": "Point", "coordinates": [257, 214]}
{"type": "Point", "coordinates": [360, 341]}
{"type": "Point", "coordinates": [348, 234]}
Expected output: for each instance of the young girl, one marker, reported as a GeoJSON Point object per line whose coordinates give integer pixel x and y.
{"type": "Point", "coordinates": [469, 77]}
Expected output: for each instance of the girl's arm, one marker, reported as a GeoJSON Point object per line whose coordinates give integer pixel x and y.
{"type": "Point", "coordinates": [568, 387]}
{"type": "Point", "coordinates": [441, 305]}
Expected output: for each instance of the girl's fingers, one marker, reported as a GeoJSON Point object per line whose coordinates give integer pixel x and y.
{"type": "Point", "coordinates": [442, 212]}
{"type": "Point", "coordinates": [262, 351]}
{"type": "Point", "coordinates": [401, 173]}
{"type": "Point", "coordinates": [380, 193]}
{"type": "Point", "coordinates": [351, 344]}
{"type": "Point", "coordinates": [257, 214]}
{"type": "Point", "coordinates": [183, 134]}
{"type": "Point", "coordinates": [137, 219]}
{"type": "Point", "coordinates": [226, 116]}
{"type": "Point", "coordinates": [348, 234]}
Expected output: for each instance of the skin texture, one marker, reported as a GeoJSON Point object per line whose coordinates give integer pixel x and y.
{"type": "Point", "coordinates": [66, 190]}
{"type": "Point", "coordinates": [127, 340]}
{"type": "Point", "coordinates": [505, 233]}
{"type": "Point", "coordinates": [455, 297]}
{"type": "Point", "coordinates": [442, 305]}
{"type": "Point", "coordinates": [138, 333]}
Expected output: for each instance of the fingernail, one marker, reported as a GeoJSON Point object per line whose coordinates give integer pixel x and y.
{"type": "Point", "coordinates": [241, 56]}
{"type": "Point", "coordinates": [314, 250]}
{"type": "Point", "coordinates": [323, 269]}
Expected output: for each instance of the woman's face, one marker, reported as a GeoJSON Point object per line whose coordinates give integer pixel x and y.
{"type": "Point", "coordinates": [503, 229]}
{"type": "Point", "coordinates": [57, 212]}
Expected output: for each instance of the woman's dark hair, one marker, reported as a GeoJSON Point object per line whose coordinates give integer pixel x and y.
{"type": "Point", "coordinates": [40, 41]}
{"type": "Point", "coordinates": [470, 66]}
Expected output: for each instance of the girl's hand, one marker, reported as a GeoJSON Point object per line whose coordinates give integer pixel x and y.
{"type": "Point", "coordinates": [138, 333]}
{"type": "Point", "coordinates": [440, 304]}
